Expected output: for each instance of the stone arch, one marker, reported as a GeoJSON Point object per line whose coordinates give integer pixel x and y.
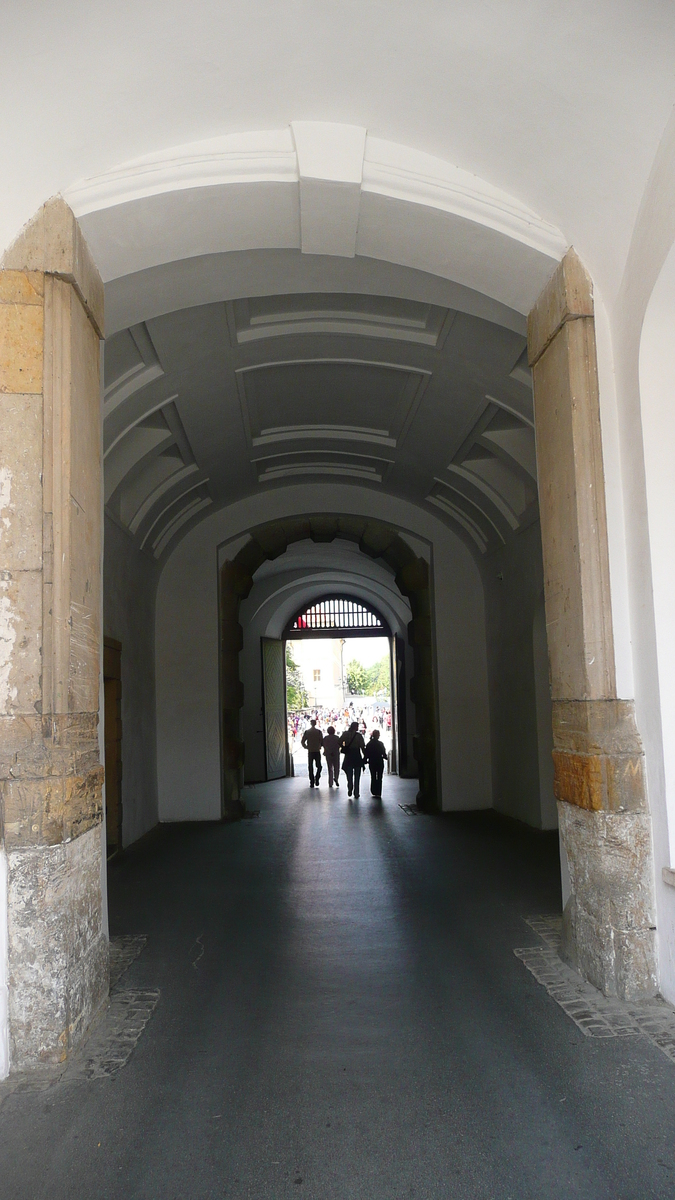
{"type": "Point", "coordinates": [375, 539]}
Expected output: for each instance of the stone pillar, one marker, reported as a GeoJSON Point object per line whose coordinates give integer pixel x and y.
{"type": "Point", "coordinates": [51, 320]}
{"type": "Point", "coordinates": [600, 787]}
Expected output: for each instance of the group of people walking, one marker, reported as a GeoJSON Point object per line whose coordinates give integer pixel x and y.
{"type": "Point", "coordinates": [356, 754]}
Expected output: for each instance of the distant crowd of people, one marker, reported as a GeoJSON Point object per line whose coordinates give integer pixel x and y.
{"type": "Point", "coordinates": [356, 754]}
{"type": "Point", "coordinates": [338, 717]}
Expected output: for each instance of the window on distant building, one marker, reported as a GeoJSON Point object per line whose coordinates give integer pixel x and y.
{"type": "Point", "coordinates": [317, 676]}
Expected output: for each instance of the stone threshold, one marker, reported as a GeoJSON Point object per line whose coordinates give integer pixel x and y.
{"type": "Point", "coordinates": [595, 1015]}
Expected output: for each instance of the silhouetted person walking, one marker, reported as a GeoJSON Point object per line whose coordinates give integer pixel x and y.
{"type": "Point", "coordinates": [312, 741]}
{"type": "Point", "coordinates": [352, 746]}
{"type": "Point", "coordinates": [331, 749]}
{"type": "Point", "coordinates": [375, 755]}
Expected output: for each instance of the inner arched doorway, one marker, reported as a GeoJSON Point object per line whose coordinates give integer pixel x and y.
{"type": "Point", "coordinates": [411, 575]}
{"type": "Point", "coordinates": [323, 683]}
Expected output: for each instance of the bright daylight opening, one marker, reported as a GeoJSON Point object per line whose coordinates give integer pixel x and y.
{"type": "Point", "coordinates": [337, 681]}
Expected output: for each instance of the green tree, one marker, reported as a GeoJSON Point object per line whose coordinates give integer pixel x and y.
{"type": "Point", "coordinates": [296, 696]}
{"type": "Point", "coordinates": [368, 681]}
{"type": "Point", "coordinates": [357, 678]}
{"type": "Point", "coordinates": [379, 681]}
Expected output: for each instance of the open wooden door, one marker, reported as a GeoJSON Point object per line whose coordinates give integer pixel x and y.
{"type": "Point", "coordinates": [399, 685]}
{"type": "Point", "coordinates": [274, 706]}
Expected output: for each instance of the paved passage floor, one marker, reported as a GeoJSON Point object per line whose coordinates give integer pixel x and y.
{"type": "Point", "coordinates": [342, 1015]}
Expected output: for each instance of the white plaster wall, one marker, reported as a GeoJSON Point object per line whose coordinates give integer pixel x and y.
{"type": "Point", "coordinates": [657, 397]}
{"type": "Point", "coordinates": [542, 691]}
{"type": "Point", "coordinates": [186, 668]}
{"type": "Point", "coordinates": [4, 983]}
{"type": "Point", "coordinates": [187, 649]}
{"type": "Point", "coordinates": [643, 423]}
{"type": "Point", "coordinates": [130, 580]}
{"type": "Point", "coordinates": [462, 678]}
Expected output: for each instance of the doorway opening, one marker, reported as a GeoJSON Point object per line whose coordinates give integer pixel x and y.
{"type": "Point", "coordinates": [339, 665]}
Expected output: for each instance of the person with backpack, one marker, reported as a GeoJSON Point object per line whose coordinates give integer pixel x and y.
{"type": "Point", "coordinates": [375, 755]}
{"type": "Point", "coordinates": [352, 746]}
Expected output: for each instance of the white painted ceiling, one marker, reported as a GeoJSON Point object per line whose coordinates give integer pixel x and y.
{"type": "Point", "coordinates": [559, 105]}
{"type": "Point", "coordinates": [212, 403]}
{"type": "Point", "coordinates": [321, 226]}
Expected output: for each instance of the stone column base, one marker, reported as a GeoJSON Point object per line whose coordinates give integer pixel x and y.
{"type": "Point", "coordinates": [609, 927]}
{"type": "Point", "coordinates": [58, 951]}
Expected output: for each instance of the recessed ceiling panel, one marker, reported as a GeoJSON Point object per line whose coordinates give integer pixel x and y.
{"type": "Point", "coordinates": [348, 314]}
{"type": "Point", "coordinates": [321, 463]}
{"type": "Point", "coordinates": [377, 400]}
{"type": "Point", "coordinates": [130, 363]}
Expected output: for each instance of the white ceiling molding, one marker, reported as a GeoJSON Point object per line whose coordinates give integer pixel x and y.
{"type": "Point", "coordinates": [330, 169]}
{"type": "Point", "coordinates": [322, 470]}
{"type": "Point", "coordinates": [416, 178]}
{"type": "Point", "coordinates": [259, 157]}
{"type": "Point", "coordinates": [166, 485]}
{"type": "Point", "coordinates": [142, 416]}
{"type": "Point", "coordinates": [329, 189]}
{"type": "Point", "coordinates": [457, 514]}
{"type": "Point", "coordinates": [254, 319]}
{"type": "Point", "coordinates": [322, 462]}
{"type": "Point", "coordinates": [174, 526]}
{"type": "Point", "coordinates": [134, 364]}
{"type": "Point", "coordinates": [173, 508]}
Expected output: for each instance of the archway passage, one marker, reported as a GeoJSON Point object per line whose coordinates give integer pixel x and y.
{"type": "Point", "coordinates": [337, 677]}
{"type": "Point", "coordinates": [484, 487]}
{"type": "Point", "coordinates": [375, 539]}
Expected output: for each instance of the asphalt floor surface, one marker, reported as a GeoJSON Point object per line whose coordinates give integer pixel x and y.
{"type": "Point", "coordinates": [342, 1016]}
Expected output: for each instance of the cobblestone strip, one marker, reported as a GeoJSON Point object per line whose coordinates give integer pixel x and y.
{"type": "Point", "coordinates": [111, 1044]}
{"type": "Point", "coordinates": [549, 929]}
{"type": "Point", "coordinates": [596, 1015]}
{"type": "Point", "coordinates": [577, 998]}
{"type": "Point", "coordinates": [123, 951]}
{"type": "Point", "coordinates": [113, 1036]}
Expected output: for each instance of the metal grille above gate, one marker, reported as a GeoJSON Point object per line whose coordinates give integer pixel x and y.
{"type": "Point", "coordinates": [337, 614]}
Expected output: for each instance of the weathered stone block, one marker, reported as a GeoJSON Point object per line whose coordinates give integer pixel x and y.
{"type": "Point", "coordinates": [272, 542]}
{"type": "Point", "coordinates": [567, 296]}
{"type": "Point", "coordinates": [21, 482]}
{"type": "Point", "coordinates": [21, 347]}
{"type": "Point", "coordinates": [323, 529]}
{"type": "Point", "coordinates": [600, 782]}
{"type": "Point", "coordinates": [52, 243]}
{"type": "Point", "coordinates": [376, 538]}
{"type": "Point", "coordinates": [351, 528]}
{"type": "Point", "coordinates": [58, 952]}
{"type": "Point", "coordinates": [611, 917]}
{"type": "Point", "coordinates": [46, 811]}
{"type": "Point", "coordinates": [22, 287]}
{"type": "Point", "coordinates": [598, 759]}
{"type": "Point", "coordinates": [595, 727]}
{"type": "Point", "coordinates": [20, 641]}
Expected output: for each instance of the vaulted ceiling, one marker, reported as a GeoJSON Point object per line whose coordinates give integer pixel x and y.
{"type": "Point", "coordinates": [208, 404]}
